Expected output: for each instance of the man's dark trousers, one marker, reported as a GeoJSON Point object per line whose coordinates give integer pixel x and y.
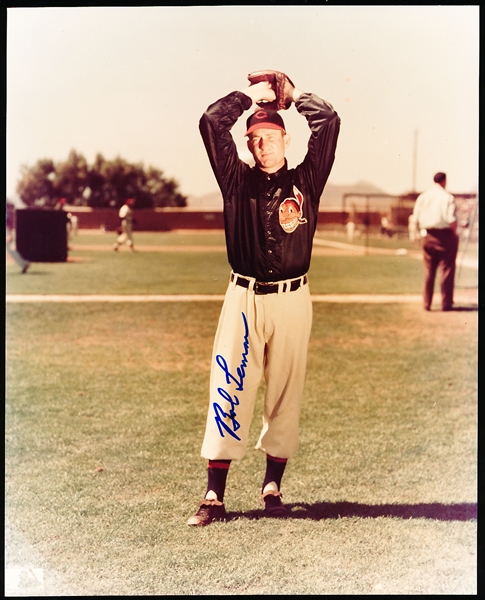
{"type": "Point", "coordinates": [440, 247]}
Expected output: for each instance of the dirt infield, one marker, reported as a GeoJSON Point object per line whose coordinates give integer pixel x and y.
{"type": "Point", "coordinates": [151, 248]}
{"type": "Point", "coordinates": [466, 298]}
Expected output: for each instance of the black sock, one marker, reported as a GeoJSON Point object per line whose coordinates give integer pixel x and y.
{"type": "Point", "coordinates": [275, 467]}
{"type": "Point", "coordinates": [216, 477]}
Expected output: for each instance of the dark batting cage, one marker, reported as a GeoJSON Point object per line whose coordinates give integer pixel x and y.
{"type": "Point", "coordinates": [41, 234]}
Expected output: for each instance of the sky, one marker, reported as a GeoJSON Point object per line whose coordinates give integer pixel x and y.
{"type": "Point", "coordinates": [134, 81]}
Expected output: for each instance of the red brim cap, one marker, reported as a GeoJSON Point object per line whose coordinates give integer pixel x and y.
{"type": "Point", "coordinates": [263, 126]}
{"type": "Point", "coordinates": [264, 119]}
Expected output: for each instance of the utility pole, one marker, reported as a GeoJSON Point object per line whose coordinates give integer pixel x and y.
{"type": "Point", "coordinates": [415, 154]}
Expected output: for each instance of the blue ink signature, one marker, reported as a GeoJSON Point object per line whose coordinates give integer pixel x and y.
{"type": "Point", "coordinates": [220, 414]}
{"type": "Point", "coordinates": [241, 370]}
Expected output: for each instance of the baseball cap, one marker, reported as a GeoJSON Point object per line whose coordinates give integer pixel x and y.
{"type": "Point", "coordinates": [264, 118]}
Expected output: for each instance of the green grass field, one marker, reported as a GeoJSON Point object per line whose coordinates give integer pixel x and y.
{"type": "Point", "coordinates": [105, 411]}
{"type": "Point", "coordinates": [93, 268]}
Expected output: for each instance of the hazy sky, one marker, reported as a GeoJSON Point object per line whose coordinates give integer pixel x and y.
{"type": "Point", "coordinates": [134, 82]}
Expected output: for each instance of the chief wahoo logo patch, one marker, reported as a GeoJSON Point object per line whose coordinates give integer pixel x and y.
{"type": "Point", "coordinates": [291, 212]}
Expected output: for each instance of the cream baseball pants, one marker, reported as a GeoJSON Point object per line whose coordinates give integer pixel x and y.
{"type": "Point", "coordinates": [258, 336]}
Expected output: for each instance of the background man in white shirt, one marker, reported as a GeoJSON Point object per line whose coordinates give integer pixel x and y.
{"type": "Point", "coordinates": [435, 214]}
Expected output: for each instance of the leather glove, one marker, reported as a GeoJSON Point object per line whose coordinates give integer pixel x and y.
{"type": "Point", "coordinates": [281, 85]}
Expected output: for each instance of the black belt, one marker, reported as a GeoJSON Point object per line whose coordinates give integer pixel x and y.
{"type": "Point", "coordinates": [438, 230]}
{"type": "Point", "coordinates": [261, 287]}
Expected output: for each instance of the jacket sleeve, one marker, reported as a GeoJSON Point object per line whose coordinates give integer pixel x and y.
{"type": "Point", "coordinates": [215, 127]}
{"type": "Point", "coordinates": [324, 125]}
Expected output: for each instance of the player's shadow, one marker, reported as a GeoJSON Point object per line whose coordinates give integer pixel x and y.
{"type": "Point", "coordinates": [29, 274]}
{"type": "Point", "coordinates": [337, 510]}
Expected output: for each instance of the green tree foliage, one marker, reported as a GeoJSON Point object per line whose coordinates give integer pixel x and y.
{"type": "Point", "coordinates": [71, 177]}
{"type": "Point", "coordinates": [104, 184]}
{"type": "Point", "coordinates": [163, 191]}
{"type": "Point", "coordinates": [36, 185]}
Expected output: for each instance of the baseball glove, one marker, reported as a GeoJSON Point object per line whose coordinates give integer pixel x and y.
{"type": "Point", "coordinates": [281, 85]}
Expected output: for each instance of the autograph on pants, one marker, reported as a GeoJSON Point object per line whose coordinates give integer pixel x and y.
{"type": "Point", "coordinates": [222, 415]}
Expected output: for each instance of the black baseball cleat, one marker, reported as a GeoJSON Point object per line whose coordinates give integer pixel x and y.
{"type": "Point", "coordinates": [273, 507]}
{"type": "Point", "coordinates": [209, 510]}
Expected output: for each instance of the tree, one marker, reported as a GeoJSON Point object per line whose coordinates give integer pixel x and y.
{"type": "Point", "coordinates": [71, 178]}
{"type": "Point", "coordinates": [112, 182]}
{"type": "Point", "coordinates": [106, 183]}
{"type": "Point", "coordinates": [36, 184]}
{"type": "Point", "coordinates": [163, 191]}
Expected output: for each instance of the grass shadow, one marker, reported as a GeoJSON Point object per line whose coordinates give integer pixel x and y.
{"type": "Point", "coordinates": [337, 510]}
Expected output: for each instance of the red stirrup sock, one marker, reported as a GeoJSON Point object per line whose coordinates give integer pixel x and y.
{"type": "Point", "coordinates": [216, 477]}
{"type": "Point", "coordinates": [275, 467]}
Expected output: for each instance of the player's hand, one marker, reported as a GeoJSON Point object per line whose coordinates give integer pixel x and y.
{"type": "Point", "coordinates": [260, 91]}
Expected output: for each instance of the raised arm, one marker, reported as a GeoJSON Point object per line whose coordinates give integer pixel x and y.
{"type": "Point", "coordinates": [324, 125]}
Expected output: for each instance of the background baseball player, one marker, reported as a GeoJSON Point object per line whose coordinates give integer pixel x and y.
{"type": "Point", "coordinates": [270, 215]}
{"type": "Point", "coordinates": [126, 235]}
{"type": "Point", "coordinates": [10, 240]}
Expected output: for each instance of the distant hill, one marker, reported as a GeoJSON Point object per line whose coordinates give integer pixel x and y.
{"type": "Point", "coordinates": [331, 198]}
{"type": "Point", "coordinates": [332, 194]}
{"type": "Point", "coordinates": [211, 201]}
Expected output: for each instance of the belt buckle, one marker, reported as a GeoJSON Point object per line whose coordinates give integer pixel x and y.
{"type": "Point", "coordinates": [259, 287]}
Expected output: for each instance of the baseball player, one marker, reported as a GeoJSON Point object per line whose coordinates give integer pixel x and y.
{"type": "Point", "coordinates": [270, 215]}
{"type": "Point", "coordinates": [435, 214]}
{"type": "Point", "coordinates": [126, 235]}
{"type": "Point", "coordinates": [10, 240]}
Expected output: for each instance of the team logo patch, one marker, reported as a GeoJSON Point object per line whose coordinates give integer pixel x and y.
{"type": "Point", "coordinates": [260, 114]}
{"type": "Point", "coordinates": [291, 212]}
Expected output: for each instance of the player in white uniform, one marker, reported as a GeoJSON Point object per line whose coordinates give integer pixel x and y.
{"type": "Point", "coordinates": [126, 235]}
